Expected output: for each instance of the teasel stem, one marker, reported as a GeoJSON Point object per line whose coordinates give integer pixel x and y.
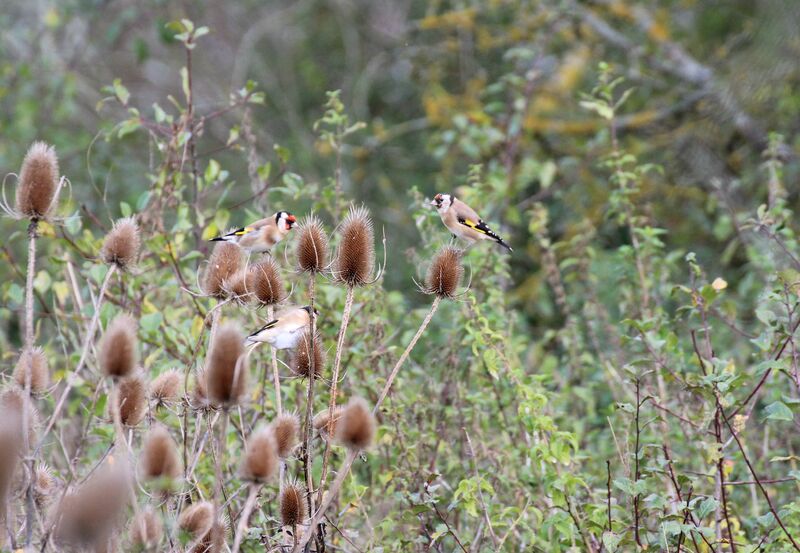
{"type": "Point", "coordinates": [32, 230]}
{"type": "Point", "coordinates": [245, 515]}
{"type": "Point", "coordinates": [274, 360]}
{"type": "Point", "coordinates": [352, 454]}
{"type": "Point", "coordinates": [348, 307]}
{"type": "Point", "coordinates": [87, 344]}
{"type": "Point", "coordinates": [306, 454]}
{"type": "Point", "coordinates": [29, 504]}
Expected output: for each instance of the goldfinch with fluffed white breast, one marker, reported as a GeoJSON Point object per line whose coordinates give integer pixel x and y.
{"type": "Point", "coordinates": [462, 220]}
{"type": "Point", "coordinates": [285, 331]}
{"type": "Point", "coordinates": [261, 236]}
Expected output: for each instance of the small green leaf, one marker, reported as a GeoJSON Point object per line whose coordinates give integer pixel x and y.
{"type": "Point", "coordinates": [778, 411]}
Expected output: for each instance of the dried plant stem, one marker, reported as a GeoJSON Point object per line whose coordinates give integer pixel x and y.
{"type": "Point", "coordinates": [244, 516]}
{"type": "Point", "coordinates": [337, 361]}
{"type": "Point", "coordinates": [87, 344]}
{"type": "Point", "coordinates": [30, 507]}
{"type": "Point", "coordinates": [32, 228]}
{"type": "Point", "coordinates": [275, 376]}
{"type": "Point", "coordinates": [306, 453]}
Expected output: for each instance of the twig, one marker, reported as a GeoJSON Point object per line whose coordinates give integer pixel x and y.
{"type": "Point", "coordinates": [244, 516]}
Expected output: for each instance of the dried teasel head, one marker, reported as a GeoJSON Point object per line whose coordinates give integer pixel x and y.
{"type": "Point", "coordinates": [130, 400]}
{"type": "Point", "coordinates": [214, 540]}
{"type": "Point", "coordinates": [238, 287]}
{"type": "Point", "coordinates": [197, 519]}
{"type": "Point", "coordinates": [226, 367]}
{"type": "Point", "coordinates": [308, 356]}
{"type": "Point", "coordinates": [199, 397]}
{"type": "Point", "coordinates": [118, 353]}
{"type": "Point", "coordinates": [355, 256]}
{"type": "Point", "coordinates": [225, 261]}
{"type": "Point", "coordinates": [264, 281]}
{"type": "Point", "coordinates": [44, 485]}
{"type": "Point", "coordinates": [122, 244]}
{"type": "Point", "coordinates": [322, 419]}
{"type": "Point", "coordinates": [146, 529]}
{"type": "Point", "coordinates": [261, 458]}
{"type": "Point", "coordinates": [293, 506]}
{"type": "Point", "coordinates": [166, 387]}
{"type": "Point", "coordinates": [17, 411]}
{"type": "Point", "coordinates": [312, 245]}
{"type": "Point", "coordinates": [32, 368]}
{"type": "Point", "coordinates": [10, 450]}
{"type": "Point", "coordinates": [445, 272]}
{"type": "Point", "coordinates": [160, 457]}
{"type": "Point", "coordinates": [356, 427]}
{"type": "Point", "coordinates": [38, 182]}
{"type": "Point", "coordinates": [286, 429]}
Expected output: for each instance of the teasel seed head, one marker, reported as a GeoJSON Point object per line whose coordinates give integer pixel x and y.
{"type": "Point", "coordinates": [445, 272]}
{"type": "Point", "coordinates": [265, 282]}
{"type": "Point", "coordinates": [32, 366]}
{"type": "Point", "coordinates": [224, 263]}
{"type": "Point", "coordinates": [286, 429]}
{"type": "Point", "coordinates": [238, 287]}
{"type": "Point", "coordinates": [261, 458]}
{"type": "Point", "coordinates": [197, 519]}
{"type": "Point", "coordinates": [199, 397]}
{"type": "Point", "coordinates": [118, 353]}
{"type": "Point", "coordinates": [321, 421]}
{"type": "Point", "coordinates": [214, 540]}
{"type": "Point", "coordinates": [130, 400]}
{"type": "Point", "coordinates": [355, 256]}
{"type": "Point", "coordinates": [44, 485]}
{"type": "Point", "coordinates": [10, 450]}
{"type": "Point", "coordinates": [160, 457]}
{"type": "Point", "coordinates": [356, 427]}
{"type": "Point", "coordinates": [15, 409]}
{"type": "Point", "coordinates": [38, 182]}
{"type": "Point", "coordinates": [226, 367]}
{"type": "Point", "coordinates": [122, 244]}
{"type": "Point", "coordinates": [293, 506]}
{"type": "Point", "coordinates": [312, 245]}
{"type": "Point", "coordinates": [307, 356]}
{"type": "Point", "coordinates": [166, 387]}
{"type": "Point", "coordinates": [146, 530]}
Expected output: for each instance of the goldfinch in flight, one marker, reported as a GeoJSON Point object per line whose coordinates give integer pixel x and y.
{"type": "Point", "coordinates": [261, 236]}
{"type": "Point", "coordinates": [286, 330]}
{"type": "Point", "coordinates": [462, 220]}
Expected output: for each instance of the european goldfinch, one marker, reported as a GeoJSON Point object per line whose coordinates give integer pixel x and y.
{"type": "Point", "coordinates": [261, 236]}
{"type": "Point", "coordinates": [286, 330]}
{"type": "Point", "coordinates": [462, 220]}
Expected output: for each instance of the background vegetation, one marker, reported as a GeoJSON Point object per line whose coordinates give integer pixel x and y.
{"type": "Point", "coordinates": [627, 378]}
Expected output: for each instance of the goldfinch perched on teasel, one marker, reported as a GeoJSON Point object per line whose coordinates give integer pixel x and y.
{"type": "Point", "coordinates": [286, 330]}
{"type": "Point", "coordinates": [260, 236]}
{"type": "Point", "coordinates": [462, 220]}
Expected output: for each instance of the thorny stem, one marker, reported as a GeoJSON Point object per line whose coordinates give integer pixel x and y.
{"type": "Point", "coordinates": [29, 504]}
{"type": "Point", "coordinates": [275, 376]}
{"type": "Point", "coordinates": [306, 453]}
{"type": "Point", "coordinates": [636, 467]}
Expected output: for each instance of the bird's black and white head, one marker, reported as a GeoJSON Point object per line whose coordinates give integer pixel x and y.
{"type": "Point", "coordinates": [285, 220]}
{"type": "Point", "coordinates": [311, 310]}
{"type": "Point", "coordinates": [442, 202]}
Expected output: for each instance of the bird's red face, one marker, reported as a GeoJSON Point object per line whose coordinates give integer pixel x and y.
{"type": "Point", "coordinates": [285, 220]}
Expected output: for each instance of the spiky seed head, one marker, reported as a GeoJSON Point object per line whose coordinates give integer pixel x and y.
{"type": "Point", "coordinates": [293, 507]}
{"type": "Point", "coordinates": [130, 400]}
{"type": "Point", "coordinates": [32, 367]}
{"type": "Point", "coordinates": [44, 485]}
{"type": "Point", "coordinates": [146, 529]}
{"type": "Point", "coordinates": [197, 519]}
{"type": "Point", "coordinates": [214, 540]}
{"type": "Point", "coordinates": [356, 427]}
{"type": "Point", "coordinates": [16, 410]}
{"type": "Point", "coordinates": [225, 261]}
{"type": "Point", "coordinates": [265, 282]}
{"type": "Point", "coordinates": [445, 272]}
{"type": "Point", "coordinates": [312, 245]}
{"type": "Point", "coordinates": [38, 181]}
{"type": "Point", "coordinates": [355, 256]}
{"type": "Point", "coordinates": [261, 458]}
{"type": "Point", "coordinates": [237, 287]}
{"type": "Point", "coordinates": [122, 244]}
{"type": "Point", "coordinates": [199, 399]}
{"type": "Point", "coordinates": [10, 449]}
{"type": "Point", "coordinates": [322, 419]}
{"type": "Point", "coordinates": [118, 353]}
{"type": "Point", "coordinates": [226, 367]}
{"type": "Point", "coordinates": [166, 387]}
{"type": "Point", "coordinates": [160, 457]}
{"type": "Point", "coordinates": [308, 356]}
{"type": "Point", "coordinates": [286, 429]}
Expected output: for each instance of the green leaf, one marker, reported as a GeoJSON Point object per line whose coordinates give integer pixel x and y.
{"type": "Point", "coordinates": [778, 411]}
{"type": "Point", "coordinates": [611, 541]}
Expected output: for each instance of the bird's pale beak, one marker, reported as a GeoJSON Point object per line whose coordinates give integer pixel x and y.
{"type": "Point", "coordinates": [433, 202]}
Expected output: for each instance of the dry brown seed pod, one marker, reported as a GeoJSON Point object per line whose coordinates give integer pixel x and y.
{"type": "Point", "coordinates": [445, 272]}
{"type": "Point", "coordinates": [261, 458]}
{"type": "Point", "coordinates": [146, 529]}
{"type": "Point", "coordinates": [160, 455]}
{"type": "Point", "coordinates": [118, 354]}
{"type": "Point", "coordinates": [32, 366]}
{"type": "Point", "coordinates": [166, 387]}
{"type": "Point", "coordinates": [312, 245]}
{"type": "Point", "coordinates": [16, 409]}
{"type": "Point", "coordinates": [286, 429]}
{"type": "Point", "coordinates": [10, 450]}
{"type": "Point", "coordinates": [265, 282]}
{"type": "Point", "coordinates": [355, 256]}
{"type": "Point", "coordinates": [38, 182]}
{"type": "Point", "coordinates": [130, 400]}
{"type": "Point", "coordinates": [197, 519]}
{"type": "Point", "coordinates": [226, 367]}
{"type": "Point", "coordinates": [356, 427]}
{"type": "Point", "coordinates": [238, 288]}
{"type": "Point", "coordinates": [300, 358]}
{"type": "Point", "coordinates": [122, 244]}
{"type": "Point", "coordinates": [225, 261]}
{"type": "Point", "coordinates": [321, 420]}
{"type": "Point", "coordinates": [293, 506]}
{"type": "Point", "coordinates": [44, 485]}
{"type": "Point", "coordinates": [214, 540]}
